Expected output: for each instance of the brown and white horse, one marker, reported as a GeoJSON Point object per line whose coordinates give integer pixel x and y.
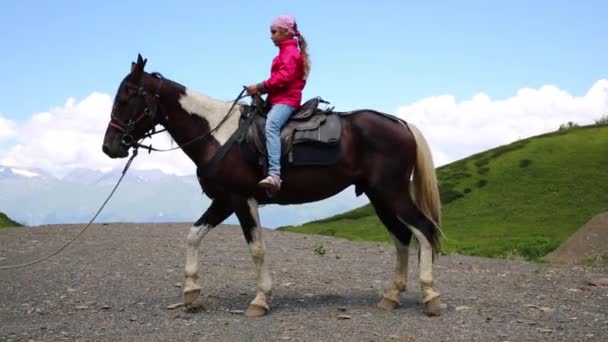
{"type": "Point", "coordinates": [378, 155]}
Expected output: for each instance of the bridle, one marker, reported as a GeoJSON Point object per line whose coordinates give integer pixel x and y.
{"type": "Point", "coordinates": [150, 111]}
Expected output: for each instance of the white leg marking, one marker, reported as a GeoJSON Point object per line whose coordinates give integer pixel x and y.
{"type": "Point", "coordinates": [400, 278]}
{"type": "Point", "coordinates": [426, 266]}
{"type": "Point", "coordinates": [196, 235]}
{"type": "Point", "coordinates": [258, 249]}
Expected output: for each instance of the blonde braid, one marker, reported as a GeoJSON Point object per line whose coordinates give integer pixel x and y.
{"type": "Point", "coordinates": [305, 56]}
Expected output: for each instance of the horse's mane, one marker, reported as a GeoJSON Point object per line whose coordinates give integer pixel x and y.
{"type": "Point", "coordinates": [157, 75]}
{"type": "Point", "coordinates": [160, 76]}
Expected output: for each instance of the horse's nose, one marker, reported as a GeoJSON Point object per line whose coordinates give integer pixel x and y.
{"type": "Point", "coordinates": [106, 149]}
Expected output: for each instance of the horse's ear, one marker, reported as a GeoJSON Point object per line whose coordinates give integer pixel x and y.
{"type": "Point", "coordinates": [139, 66]}
{"type": "Point", "coordinates": [141, 61]}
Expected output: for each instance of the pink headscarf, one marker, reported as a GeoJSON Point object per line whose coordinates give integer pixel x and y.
{"type": "Point", "coordinates": [287, 22]}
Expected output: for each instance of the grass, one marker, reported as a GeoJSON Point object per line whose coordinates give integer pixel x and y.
{"type": "Point", "coordinates": [522, 199]}
{"type": "Point", "coordinates": [5, 221]}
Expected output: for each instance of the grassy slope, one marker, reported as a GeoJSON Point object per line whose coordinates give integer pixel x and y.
{"type": "Point", "coordinates": [522, 199]}
{"type": "Point", "coordinates": [5, 221]}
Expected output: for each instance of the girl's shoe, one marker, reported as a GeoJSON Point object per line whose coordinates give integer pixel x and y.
{"type": "Point", "coordinates": [272, 183]}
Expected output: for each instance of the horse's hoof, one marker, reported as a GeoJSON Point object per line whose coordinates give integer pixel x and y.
{"type": "Point", "coordinates": [387, 304]}
{"type": "Point", "coordinates": [255, 311]}
{"type": "Point", "coordinates": [432, 307]}
{"type": "Point", "coordinates": [190, 295]}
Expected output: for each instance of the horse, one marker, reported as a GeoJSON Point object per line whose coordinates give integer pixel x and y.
{"type": "Point", "coordinates": [383, 157]}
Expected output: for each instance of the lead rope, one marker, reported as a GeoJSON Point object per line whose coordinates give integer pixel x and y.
{"type": "Point", "coordinates": [124, 172]}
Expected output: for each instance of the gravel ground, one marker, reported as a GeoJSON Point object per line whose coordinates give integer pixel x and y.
{"type": "Point", "coordinates": [116, 282]}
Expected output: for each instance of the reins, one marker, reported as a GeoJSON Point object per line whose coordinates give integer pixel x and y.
{"type": "Point", "coordinates": [204, 136]}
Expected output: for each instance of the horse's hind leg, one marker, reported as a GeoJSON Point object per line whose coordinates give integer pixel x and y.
{"type": "Point", "coordinates": [423, 229]}
{"type": "Point", "coordinates": [401, 236]}
{"type": "Point", "coordinates": [406, 213]}
{"type": "Point", "coordinates": [248, 215]}
{"type": "Point", "coordinates": [214, 215]}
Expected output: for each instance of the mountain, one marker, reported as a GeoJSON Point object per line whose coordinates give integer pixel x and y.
{"type": "Point", "coordinates": [83, 176]}
{"type": "Point", "coordinates": [9, 172]}
{"type": "Point", "coordinates": [143, 196]}
{"type": "Point", "coordinates": [522, 199]}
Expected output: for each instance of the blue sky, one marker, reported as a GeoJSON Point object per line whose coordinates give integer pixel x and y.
{"type": "Point", "coordinates": [382, 55]}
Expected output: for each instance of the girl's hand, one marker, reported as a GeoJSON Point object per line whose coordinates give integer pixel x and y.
{"type": "Point", "coordinates": [252, 89]}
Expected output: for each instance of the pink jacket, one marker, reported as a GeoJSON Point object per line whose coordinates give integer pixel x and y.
{"type": "Point", "coordinates": [286, 81]}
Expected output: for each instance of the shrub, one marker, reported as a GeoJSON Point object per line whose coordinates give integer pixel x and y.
{"type": "Point", "coordinates": [568, 125]}
{"type": "Point", "coordinates": [603, 121]}
{"type": "Point", "coordinates": [449, 195]}
{"type": "Point", "coordinates": [481, 162]}
{"type": "Point", "coordinates": [320, 249]}
{"type": "Point", "coordinates": [525, 163]}
{"type": "Point", "coordinates": [509, 148]}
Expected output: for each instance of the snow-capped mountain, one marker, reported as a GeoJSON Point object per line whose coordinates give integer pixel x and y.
{"type": "Point", "coordinates": [7, 172]}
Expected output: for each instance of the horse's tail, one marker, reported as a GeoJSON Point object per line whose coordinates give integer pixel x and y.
{"type": "Point", "coordinates": [426, 188]}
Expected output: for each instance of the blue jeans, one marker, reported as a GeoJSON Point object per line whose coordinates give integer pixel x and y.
{"type": "Point", "coordinates": [275, 120]}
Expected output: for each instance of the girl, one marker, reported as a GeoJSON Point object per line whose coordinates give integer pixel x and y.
{"type": "Point", "coordinates": [288, 75]}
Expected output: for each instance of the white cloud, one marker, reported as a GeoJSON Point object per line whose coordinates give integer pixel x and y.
{"type": "Point", "coordinates": [457, 130]}
{"type": "Point", "coordinates": [8, 129]}
{"type": "Point", "coordinates": [71, 136]}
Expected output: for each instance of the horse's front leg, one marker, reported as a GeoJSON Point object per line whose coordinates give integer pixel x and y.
{"type": "Point", "coordinates": [248, 215]}
{"type": "Point", "coordinates": [215, 214]}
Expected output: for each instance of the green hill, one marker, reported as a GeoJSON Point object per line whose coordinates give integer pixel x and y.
{"type": "Point", "coordinates": [521, 199]}
{"type": "Point", "coordinates": [5, 221]}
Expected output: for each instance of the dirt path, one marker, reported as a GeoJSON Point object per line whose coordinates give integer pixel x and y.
{"type": "Point", "coordinates": [590, 241]}
{"type": "Point", "coordinates": [116, 283]}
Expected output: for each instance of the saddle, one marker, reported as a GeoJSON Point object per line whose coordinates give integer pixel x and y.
{"type": "Point", "coordinates": [311, 136]}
